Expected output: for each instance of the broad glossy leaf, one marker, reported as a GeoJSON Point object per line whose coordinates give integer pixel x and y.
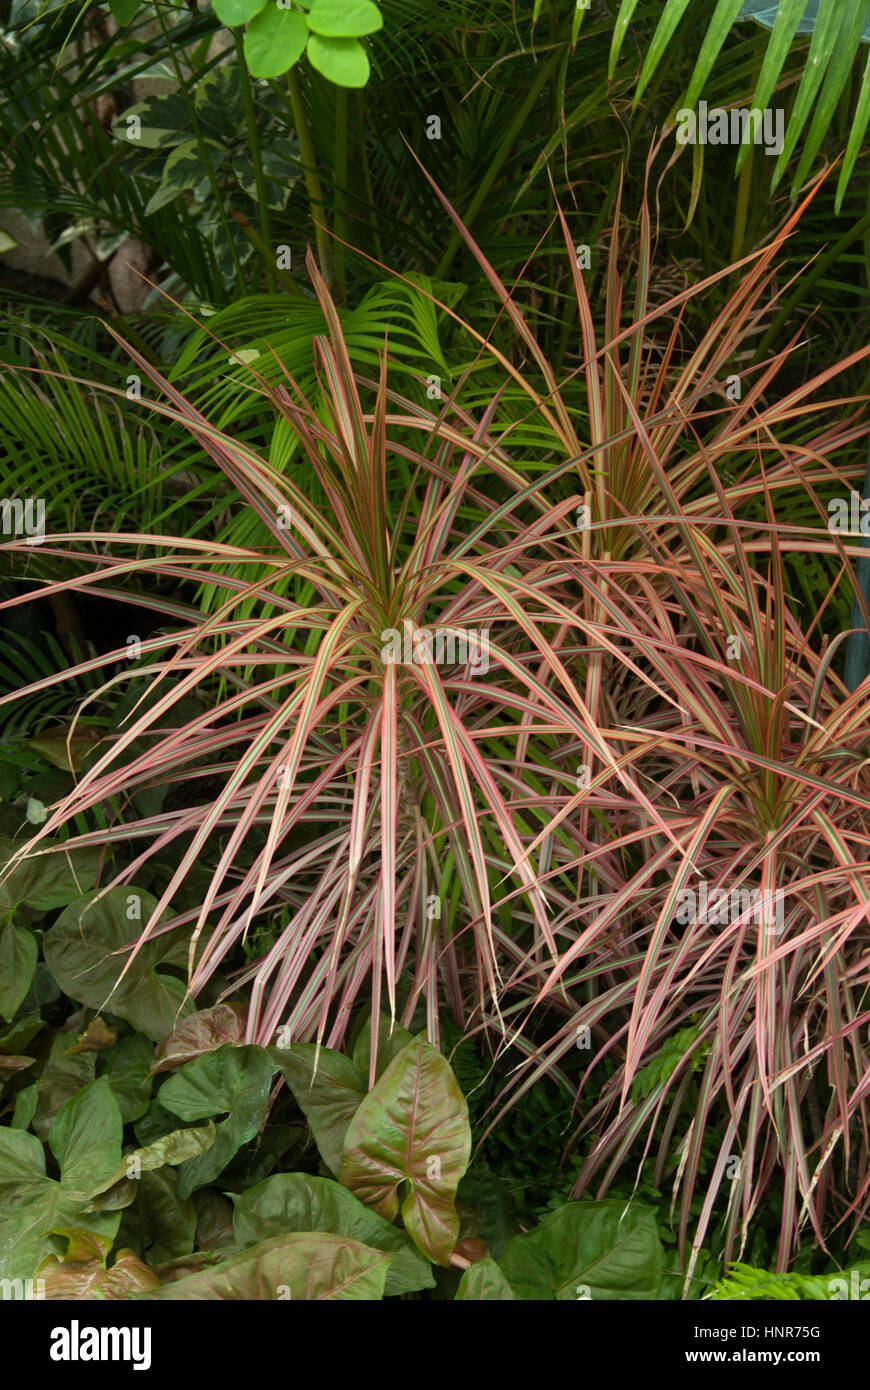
{"type": "Point", "coordinates": [300, 1202]}
{"type": "Point", "coordinates": [25, 1108]}
{"type": "Point", "coordinates": [129, 1075]}
{"type": "Point", "coordinates": [172, 1149]}
{"type": "Point", "coordinates": [159, 1224]}
{"type": "Point", "coordinates": [32, 1206]}
{"type": "Point", "coordinates": [214, 1221]}
{"type": "Point", "coordinates": [327, 1100]}
{"type": "Point", "coordinates": [234, 1079]}
{"type": "Point", "coordinates": [389, 1046]}
{"type": "Point", "coordinates": [67, 1278]}
{"type": "Point", "coordinates": [597, 1250]}
{"type": "Point", "coordinates": [80, 949]}
{"type": "Point", "coordinates": [86, 1138]}
{"type": "Point", "coordinates": [344, 19]}
{"type": "Point", "coordinates": [186, 165]}
{"type": "Point", "coordinates": [18, 956]}
{"type": "Point", "coordinates": [48, 880]}
{"type": "Point", "coordinates": [343, 61]}
{"type": "Point", "coordinates": [303, 1268]}
{"type": "Point", "coordinates": [275, 40]}
{"type": "Point", "coordinates": [62, 1076]}
{"type": "Point", "coordinates": [15, 1038]}
{"type": "Point", "coordinates": [211, 1084]}
{"type": "Point", "coordinates": [413, 1128]}
{"type": "Point", "coordinates": [163, 121]}
{"type": "Point", "coordinates": [218, 103]}
{"type": "Point", "coordinates": [484, 1282]}
{"type": "Point", "coordinates": [485, 1208]}
{"type": "Point", "coordinates": [202, 1032]}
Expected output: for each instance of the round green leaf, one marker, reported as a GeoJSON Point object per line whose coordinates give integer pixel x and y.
{"type": "Point", "coordinates": [342, 61]}
{"type": "Point", "coordinates": [232, 13]}
{"type": "Point", "coordinates": [344, 19]}
{"type": "Point", "coordinates": [275, 40]}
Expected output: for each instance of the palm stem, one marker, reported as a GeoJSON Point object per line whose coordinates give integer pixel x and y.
{"type": "Point", "coordinates": [312, 178]}
{"type": "Point", "coordinates": [256, 154]}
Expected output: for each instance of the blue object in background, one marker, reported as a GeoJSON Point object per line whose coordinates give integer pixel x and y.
{"type": "Point", "coordinates": [765, 12]}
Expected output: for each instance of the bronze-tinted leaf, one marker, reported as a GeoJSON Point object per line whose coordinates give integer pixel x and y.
{"type": "Point", "coordinates": [202, 1032]}
{"type": "Point", "coordinates": [412, 1128]}
{"type": "Point", "coordinates": [97, 1036]}
{"type": "Point", "coordinates": [299, 1267]}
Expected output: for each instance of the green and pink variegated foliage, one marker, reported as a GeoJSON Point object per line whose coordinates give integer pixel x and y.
{"type": "Point", "coordinates": [653, 714]}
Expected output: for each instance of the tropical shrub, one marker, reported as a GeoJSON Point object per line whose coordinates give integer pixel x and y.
{"type": "Point", "coordinates": [518, 849]}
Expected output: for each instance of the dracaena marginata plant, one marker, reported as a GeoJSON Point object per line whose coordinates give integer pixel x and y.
{"type": "Point", "coordinates": [419, 829]}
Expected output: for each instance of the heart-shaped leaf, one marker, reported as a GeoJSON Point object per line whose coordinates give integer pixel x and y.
{"type": "Point", "coordinates": [412, 1127]}
{"type": "Point", "coordinates": [18, 956]}
{"type": "Point", "coordinates": [328, 1099]}
{"type": "Point", "coordinates": [596, 1250]}
{"type": "Point", "coordinates": [86, 1138]}
{"type": "Point", "coordinates": [49, 878]}
{"type": "Point", "coordinates": [32, 1206]}
{"type": "Point", "coordinates": [300, 1202]}
{"type": "Point", "coordinates": [129, 1076]}
{"type": "Point", "coordinates": [68, 1277]}
{"type": "Point", "coordinates": [234, 1079]}
{"type": "Point", "coordinates": [85, 951]}
{"type": "Point", "coordinates": [204, 1031]}
{"type": "Point", "coordinates": [303, 1268]}
{"type": "Point", "coordinates": [484, 1282]}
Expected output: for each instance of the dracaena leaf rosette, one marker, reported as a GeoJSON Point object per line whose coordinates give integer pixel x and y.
{"type": "Point", "coordinates": [366, 741]}
{"type": "Point", "coordinates": [511, 836]}
{"type": "Point", "coordinates": [737, 919]}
